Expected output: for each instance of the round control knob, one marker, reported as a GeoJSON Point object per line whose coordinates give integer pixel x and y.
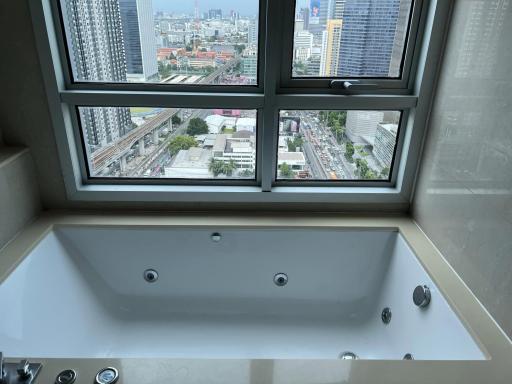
{"type": "Point", "coordinates": [66, 377]}
{"type": "Point", "coordinates": [421, 296]}
{"type": "Point", "coordinates": [216, 237]}
{"type": "Point", "coordinates": [107, 376]}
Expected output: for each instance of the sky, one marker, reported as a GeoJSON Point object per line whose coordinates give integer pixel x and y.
{"type": "Point", "coordinates": [245, 7]}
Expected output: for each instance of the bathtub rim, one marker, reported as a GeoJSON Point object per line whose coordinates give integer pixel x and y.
{"type": "Point", "coordinates": [486, 333]}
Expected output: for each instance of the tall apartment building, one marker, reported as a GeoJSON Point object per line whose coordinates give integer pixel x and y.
{"type": "Point", "coordinates": [385, 142]}
{"type": "Point", "coordinates": [331, 43]}
{"type": "Point", "coordinates": [252, 33]}
{"type": "Point", "coordinates": [139, 39]}
{"type": "Point", "coordinates": [96, 50]}
{"type": "Point", "coordinates": [250, 64]}
{"type": "Point", "coordinates": [370, 28]}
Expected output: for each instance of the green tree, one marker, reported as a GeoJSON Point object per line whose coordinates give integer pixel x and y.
{"type": "Point", "coordinates": [197, 126]}
{"type": "Point", "coordinates": [338, 131]}
{"type": "Point", "coordinates": [219, 167]}
{"type": "Point", "coordinates": [216, 167]}
{"type": "Point", "coordinates": [181, 143]}
{"type": "Point", "coordinates": [385, 172]}
{"type": "Point", "coordinates": [364, 170]}
{"type": "Point", "coordinates": [176, 120]}
{"type": "Point", "coordinates": [239, 48]}
{"type": "Point", "coordinates": [286, 171]}
{"type": "Point", "coordinates": [297, 142]}
{"type": "Point", "coordinates": [247, 173]}
{"type": "Point", "coordinates": [349, 151]}
{"type": "Point", "coordinates": [229, 167]}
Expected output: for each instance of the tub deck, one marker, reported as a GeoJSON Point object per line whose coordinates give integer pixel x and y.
{"type": "Point", "coordinates": [193, 326]}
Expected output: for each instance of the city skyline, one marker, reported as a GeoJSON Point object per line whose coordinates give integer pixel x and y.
{"type": "Point", "coordinates": [249, 8]}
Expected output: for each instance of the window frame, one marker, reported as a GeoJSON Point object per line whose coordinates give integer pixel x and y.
{"type": "Point", "coordinates": [401, 85]}
{"type": "Point", "coordinates": [268, 98]}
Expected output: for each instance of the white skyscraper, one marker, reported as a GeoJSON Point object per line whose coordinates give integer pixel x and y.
{"type": "Point", "coordinates": [362, 126]}
{"type": "Point", "coordinates": [139, 39]}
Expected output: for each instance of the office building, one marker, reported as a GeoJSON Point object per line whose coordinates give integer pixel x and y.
{"type": "Point", "coordinates": [139, 39]}
{"type": "Point", "coordinates": [368, 37]}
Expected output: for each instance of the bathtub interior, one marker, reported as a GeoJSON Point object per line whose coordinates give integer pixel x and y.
{"type": "Point", "coordinates": [81, 293]}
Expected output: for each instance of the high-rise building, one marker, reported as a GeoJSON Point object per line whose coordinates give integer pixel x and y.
{"type": "Point", "coordinates": [338, 7]}
{"type": "Point", "coordinates": [395, 65]}
{"type": "Point", "coordinates": [385, 142]}
{"type": "Point", "coordinates": [252, 33]}
{"type": "Point", "coordinates": [303, 45]}
{"type": "Point", "coordinates": [368, 36]}
{"type": "Point", "coordinates": [362, 126]}
{"type": "Point", "coordinates": [139, 39]}
{"type": "Point", "coordinates": [215, 14]}
{"type": "Point", "coordinates": [332, 47]}
{"type": "Point", "coordinates": [250, 64]}
{"type": "Point", "coordinates": [96, 50]}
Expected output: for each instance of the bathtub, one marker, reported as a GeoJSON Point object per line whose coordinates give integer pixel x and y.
{"type": "Point", "coordinates": [206, 293]}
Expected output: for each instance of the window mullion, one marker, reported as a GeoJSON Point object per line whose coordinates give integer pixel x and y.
{"type": "Point", "coordinates": [271, 80]}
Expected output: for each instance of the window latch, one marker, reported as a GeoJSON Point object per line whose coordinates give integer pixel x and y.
{"type": "Point", "coordinates": [353, 85]}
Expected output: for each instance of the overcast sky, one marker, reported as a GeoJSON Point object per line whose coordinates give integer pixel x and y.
{"type": "Point", "coordinates": [245, 7]}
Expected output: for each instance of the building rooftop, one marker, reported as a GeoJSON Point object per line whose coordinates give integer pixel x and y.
{"type": "Point", "coordinates": [192, 158]}
{"type": "Point", "coordinates": [291, 156]}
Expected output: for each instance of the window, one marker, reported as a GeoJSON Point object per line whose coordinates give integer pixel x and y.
{"type": "Point", "coordinates": [350, 39]}
{"type": "Point", "coordinates": [310, 100]}
{"type": "Point", "coordinates": [337, 145]}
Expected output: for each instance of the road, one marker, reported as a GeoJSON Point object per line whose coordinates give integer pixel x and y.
{"type": "Point", "coordinates": [160, 156]}
{"type": "Point", "coordinates": [327, 149]}
{"type": "Point", "coordinates": [105, 156]}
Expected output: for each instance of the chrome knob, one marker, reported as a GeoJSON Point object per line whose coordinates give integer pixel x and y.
{"type": "Point", "coordinates": [216, 237]}
{"type": "Point", "coordinates": [421, 296]}
{"type": "Point", "coordinates": [23, 369]}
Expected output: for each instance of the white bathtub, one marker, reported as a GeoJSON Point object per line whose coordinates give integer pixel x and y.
{"type": "Point", "coordinates": [80, 293]}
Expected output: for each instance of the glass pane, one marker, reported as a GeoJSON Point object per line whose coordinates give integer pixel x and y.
{"type": "Point", "coordinates": [187, 42]}
{"type": "Point", "coordinates": [350, 38]}
{"type": "Point", "coordinates": [155, 143]}
{"type": "Point", "coordinates": [337, 145]}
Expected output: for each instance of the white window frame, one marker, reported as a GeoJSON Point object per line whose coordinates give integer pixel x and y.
{"type": "Point", "coordinates": [275, 92]}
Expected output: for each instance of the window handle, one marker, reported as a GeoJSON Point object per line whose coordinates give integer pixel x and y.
{"type": "Point", "coordinates": [353, 85]}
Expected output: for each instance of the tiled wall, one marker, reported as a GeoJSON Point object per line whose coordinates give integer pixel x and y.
{"type": "Point", "coordinates": [463, 198]}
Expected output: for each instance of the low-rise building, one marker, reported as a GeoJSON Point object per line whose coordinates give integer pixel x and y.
{"type": "Point", "coordinates": [295, 160]}
{"type": "Point", "coordinates": [239, 148]}
{"type": "Point", "coordinates": [246, 124]}
{"type": "Point", "coordinates": [192, 163]}
{"type": "Point", "coordinates": [217, 122]}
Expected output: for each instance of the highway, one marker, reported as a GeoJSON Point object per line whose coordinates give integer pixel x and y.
{"type": "Point", "coordinates": [328, 156]}
{"type": "Point", "coordinates": [160, 157]}
{"type": "Point", "coordinates": [105, 156]}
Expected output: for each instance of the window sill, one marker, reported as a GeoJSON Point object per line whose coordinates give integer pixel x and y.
{"type": "Point", "coordinates": [237, 194]}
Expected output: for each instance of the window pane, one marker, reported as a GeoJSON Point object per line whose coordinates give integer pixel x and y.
{"type": "Point", "coordinates": [124, 142]}
{"type": "Point", "coordinates": [162, 41]}
{"type": "Point", "coordinates": [337, 145]}
{"type": "Point", "coordinates": [350, 38]}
